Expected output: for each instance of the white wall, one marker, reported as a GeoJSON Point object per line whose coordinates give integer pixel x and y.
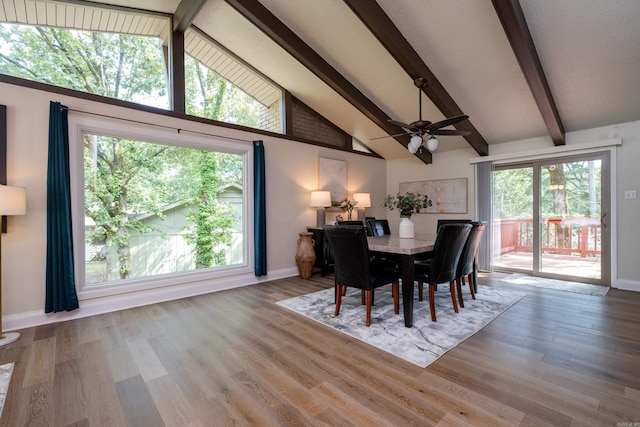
{"type": "Point", "coordinates": [446, 165]}
{"type": "Point", "coordinates": [291, 173]}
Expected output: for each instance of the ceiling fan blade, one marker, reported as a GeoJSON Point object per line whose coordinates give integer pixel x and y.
{"type": "Point", "coordinates": [402, 125]}
{"type": "Point", "coordinates": [449, 132]}
{"type": "Point", "coordinates": [446, 122]}
{"type": "Point", "coordinates": [390, 136]}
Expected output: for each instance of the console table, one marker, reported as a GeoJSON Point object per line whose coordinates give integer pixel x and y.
{"type": "Point", "coordinates": [324, 257]}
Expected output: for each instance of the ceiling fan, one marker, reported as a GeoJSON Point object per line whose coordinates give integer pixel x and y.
{"type": "Point", "coordinates": [422, 128]}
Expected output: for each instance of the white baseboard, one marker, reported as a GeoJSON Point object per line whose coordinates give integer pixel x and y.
{"type": "Point", "coordinates": [118, 302]}
{"type": "Point", "coordinates": [627, 285]}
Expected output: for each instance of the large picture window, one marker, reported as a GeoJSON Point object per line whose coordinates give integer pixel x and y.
{"type": "Point", "coordinates": [153, 207]}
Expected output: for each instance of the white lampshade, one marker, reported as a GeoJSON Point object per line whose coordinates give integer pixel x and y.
{"type": "Point", "coordinates": [363, 199]}
{"type": "Point", "coordinates": [414, 143]}
{"type": "Point", "coordinates": [320, 199]}
{"type": "Point", "coordinates": [432, 144]}
{"type": "Point", "coordinates": [13, 200]}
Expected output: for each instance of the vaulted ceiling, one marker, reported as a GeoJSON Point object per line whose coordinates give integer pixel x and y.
{"type": "Point", "coordinates": [518, 69]}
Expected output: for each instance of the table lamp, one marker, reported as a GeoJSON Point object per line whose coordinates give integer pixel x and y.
{"type": "Point", "coordinates": [13, 201]}
{"type": "Point", "coordinates": [320, 200]}
{"type": "Point", "coordinates": [364, 201]}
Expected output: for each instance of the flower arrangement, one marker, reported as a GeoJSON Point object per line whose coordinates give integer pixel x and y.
{"type": "Point", "coordinates": [407, 203]}
{"type": "Point", "coordinates": [347, 206]}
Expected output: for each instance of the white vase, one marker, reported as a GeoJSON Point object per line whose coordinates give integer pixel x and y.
{"type": "Point", "coordinates": [406, 230]}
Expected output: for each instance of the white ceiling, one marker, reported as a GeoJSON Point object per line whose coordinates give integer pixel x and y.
{"type": "Point", "coordinates": [589, 51]}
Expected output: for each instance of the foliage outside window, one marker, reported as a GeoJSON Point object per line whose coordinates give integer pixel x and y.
{"type": "Point", "coordinates": [155, 209]}
{"type": "Point", "coordinates": [119, 66]}
{"type": "Point", "coordinates": [209, 95]}
{"type": "Point", "coordinates": [513, 189]}
{"type": "Point", "coordinates": [569, 205]}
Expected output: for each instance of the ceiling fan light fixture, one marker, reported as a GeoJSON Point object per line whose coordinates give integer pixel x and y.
{"type": "Point", "coordinates": [432, 144]}
{"type": "Point", "coordinates": [414, 143]}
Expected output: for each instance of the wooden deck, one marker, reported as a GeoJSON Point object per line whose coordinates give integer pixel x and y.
{"type": "Point", "coordinates": [588, 267]}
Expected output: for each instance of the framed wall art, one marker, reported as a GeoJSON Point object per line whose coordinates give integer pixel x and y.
{"type": "Point", "coordinates": [447, 195]}
{"type": "Point", "coordinates": [333, 177]}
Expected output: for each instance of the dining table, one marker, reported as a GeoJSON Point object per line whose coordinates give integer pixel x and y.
{"type": "Point", "coordinates": [405, 251]}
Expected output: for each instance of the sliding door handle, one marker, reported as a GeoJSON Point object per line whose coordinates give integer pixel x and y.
{"type": "Point", "coordinates": [602, 221]}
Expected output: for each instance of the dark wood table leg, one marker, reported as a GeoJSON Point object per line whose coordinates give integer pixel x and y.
{"type": "Point", "coordinates": [407, 271]}
{"type": "Point", "coordinates": [475, 277]}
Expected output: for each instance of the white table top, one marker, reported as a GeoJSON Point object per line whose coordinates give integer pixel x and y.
{"type": "Point", "coordinates": [395, 245]}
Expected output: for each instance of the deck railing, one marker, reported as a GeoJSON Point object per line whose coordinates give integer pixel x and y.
{"type": "Point", "coordinates": [574, 236]}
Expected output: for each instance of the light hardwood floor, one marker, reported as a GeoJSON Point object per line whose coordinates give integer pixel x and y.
{"type": "Point", "coordinates": [236, 358]}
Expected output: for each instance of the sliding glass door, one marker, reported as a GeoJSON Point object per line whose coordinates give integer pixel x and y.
{"type": "Point", "coordinates": [513, 217]}
{"type": "Point", "coordinates": [550, 218]}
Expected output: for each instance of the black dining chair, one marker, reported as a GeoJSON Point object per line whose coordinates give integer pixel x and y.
{"type": "Point", "coordinates": [456, 221]}
{"type": "Point", "coordinates": [451, 221]}
{"type": "Point", "coordinates": [375, 257]}
{"type": "Point", "coordinates": [442, 267]}
{"type": "Point", "coordinates": [467, 263]}
{"type": "Point", "coordinates": [357, 222]}
{"type": "Point", "coordinates": [379, 227]}
{"type": "Point", "coordinates": [354, 267]}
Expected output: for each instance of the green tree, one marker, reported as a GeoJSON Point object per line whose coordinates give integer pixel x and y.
{"type": "Point", "coordinates": [119, 173]}
{"type": "Point", "coordinates": [118, 176]}
{"type": "Point", "coordinates": [513, 193]}
{"type": "Point", "coordinates": [209, 95]}
{"type": "Point", "coordinates": [557, 183]}
{"type": "Point", "coordinates": [212, 219]}
{"type": "Point", "coordinates": [115, 65]}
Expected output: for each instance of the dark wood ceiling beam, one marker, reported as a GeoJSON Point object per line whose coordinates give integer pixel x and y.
{"type": "Point", "coordinates": [182, 18]}
{"type": "Point", "coordinates": [185, 13]}
{"type": "Point", "coordinates": [176, 58]}
{"type": "Point", "coordinates": [268, 23]}
{"type": "Point", "coordinates": [515, 25]}
{"type": "Point", "coordinates": [374, 18]}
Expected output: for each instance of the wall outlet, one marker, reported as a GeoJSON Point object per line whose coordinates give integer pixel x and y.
{"type": "Point", "coordinates": [630, 194]}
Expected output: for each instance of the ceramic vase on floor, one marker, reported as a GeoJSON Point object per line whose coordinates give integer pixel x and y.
{"type": "Point", "coordinates": [407, 229]}
{"type": "Point", "coordinates": [306, 255]}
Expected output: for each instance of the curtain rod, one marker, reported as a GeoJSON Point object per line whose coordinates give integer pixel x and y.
{"type": "Point", "coordinates": [179, 130]}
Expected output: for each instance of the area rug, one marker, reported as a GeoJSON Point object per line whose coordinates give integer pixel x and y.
{"type": "Point", "coordinates": [558, 285]}
{"type": "Point", "coordinates": [5, 377]}
{"type": "Point", "coordinates": [422, 344]}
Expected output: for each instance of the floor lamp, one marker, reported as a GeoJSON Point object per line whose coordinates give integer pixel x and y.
{"type": "Point", "coordinates": [13, 201]}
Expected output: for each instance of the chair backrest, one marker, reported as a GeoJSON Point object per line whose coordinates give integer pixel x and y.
{"type": "Point", "coordinates": [350, 254]}
{"type": "Point", "coordinates": [452, 221]}
{"type": "Point", "coordinates": [470, 249]}
{"type": "Point", "coordinates": [358, 223]}
{"type": "Point", "coordinates": [446, 252]}
{"type": "Point", "coordinates": [379, 227]}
